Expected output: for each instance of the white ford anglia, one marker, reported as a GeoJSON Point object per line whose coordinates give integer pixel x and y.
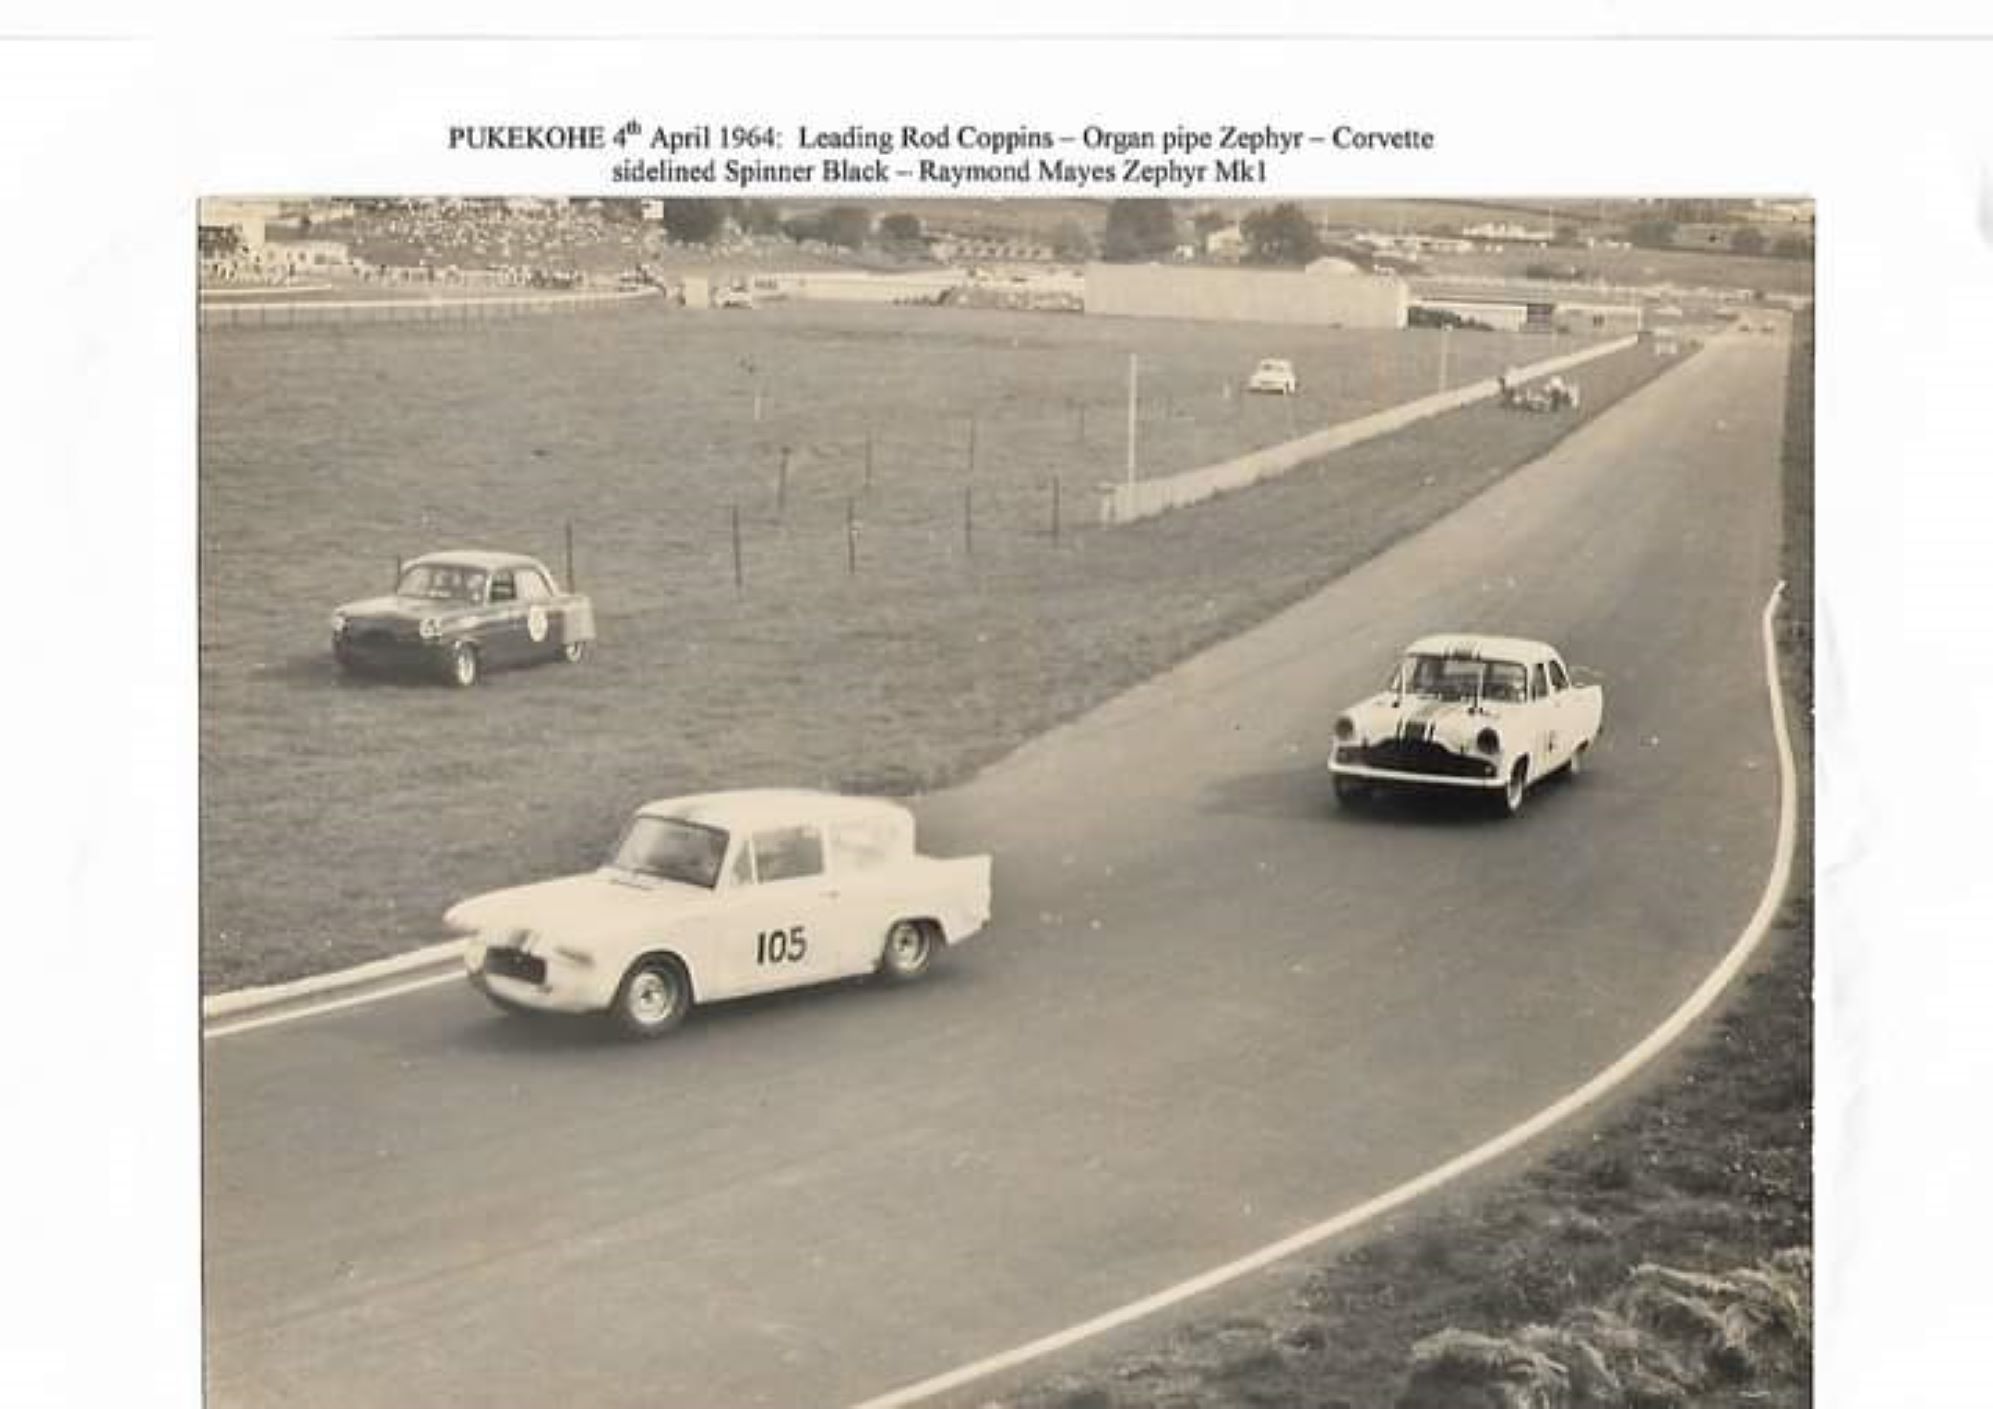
{"type": "Point", "coordinates": [723, 895]}
{"type": "Point", "coordinates": [1487, 713]}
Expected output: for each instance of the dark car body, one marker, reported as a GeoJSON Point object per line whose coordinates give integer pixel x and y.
{"type": "Point", "coordinates": [458, 614]}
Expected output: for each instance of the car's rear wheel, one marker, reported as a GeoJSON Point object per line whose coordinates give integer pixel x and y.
{"type": "Point", "coordinates": [909, 951]}
{"type": "Point", "coordinates": [1351, 792]}
{"type": "Point", "coordinates": [463, 665]}
{"type": "Point", "coordinates": [574, 652]}
{"type": "Point", "coordinates": [653, 999]}
{"type": "Point", "coordinates": [1577, 764]}
{"type": "Point", "coordinates": [1508, 801]}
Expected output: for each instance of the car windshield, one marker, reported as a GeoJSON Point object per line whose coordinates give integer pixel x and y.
{"type": "Point", "coordinates": [672, 849]}
{"type": "Point", "coordinates": [1462, 678]}
{"type": "Point", "coordinates": [443, 582]}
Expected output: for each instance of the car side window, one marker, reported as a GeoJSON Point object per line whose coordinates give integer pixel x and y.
{"type": "Point", "coordinates": [860, 845]}
{"type": "Point", "coordinates": [785, 853]}
{"type": "Point", "coordinates": [531, 586]}
{"type": "Point", "coordinates": [1538, 685]}
{"type": "Point", "coordinates": [501, 588]}
{"type": "Point", "coordinates": [1558, 679]}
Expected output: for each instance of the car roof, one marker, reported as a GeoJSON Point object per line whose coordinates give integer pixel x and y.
{"type": "Point", "coordinates": [482, 558]}
{"type": "Point", "coordinates": [747, 808]}
{"type": "Point", "coordinates": [1510, 648]}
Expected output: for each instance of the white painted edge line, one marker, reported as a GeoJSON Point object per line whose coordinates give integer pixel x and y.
{"type": "Point", "coordinates": [1649, 1047]}
{"type": "Point", "coordinates": [245, 999]}
{"type": "Point", "coordinates": [331, 1005]}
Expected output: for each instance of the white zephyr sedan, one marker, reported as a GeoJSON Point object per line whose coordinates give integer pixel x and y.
{"type": "Point", "coordinates": [1487, 713]}
{"type": "Point", "coordinates": [723, 895]}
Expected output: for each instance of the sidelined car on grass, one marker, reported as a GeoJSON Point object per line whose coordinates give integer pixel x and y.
{"type": "Point", "coordinates": [724, 895]}
{"type": "Point", "coordinates": [1491, 715]}
{"type": "Point", "coordinates": [453, 616]}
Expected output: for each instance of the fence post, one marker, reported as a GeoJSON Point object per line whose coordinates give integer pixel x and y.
{"type": "Point", "coordinates": [740, 582]}
{"type": "Point", "coordinates": [850, 537]}
{"type": "Point", "coordinates": [397, 570]}
{"type": "Point", "coordinates": [972, 444]}
{"type": "Point", "coordinates": [868, 459]}
{"type": "Point", "coordinates": [1055, 508]}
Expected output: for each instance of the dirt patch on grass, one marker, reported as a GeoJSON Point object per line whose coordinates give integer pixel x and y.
{"type": "Point", "coordinates": [340, 818]}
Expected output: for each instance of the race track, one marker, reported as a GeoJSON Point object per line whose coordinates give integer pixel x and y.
{"type": "Point", "coordinates": [1212, 1009]}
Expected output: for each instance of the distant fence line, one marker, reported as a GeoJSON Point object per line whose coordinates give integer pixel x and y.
{"type": "Point", "coordinates": [291, 314]}
{"type": "Point", "coordinates": [1126, 502]}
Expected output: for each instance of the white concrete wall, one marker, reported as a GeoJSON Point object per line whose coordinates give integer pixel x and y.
{"type": "Point", "coordinates": [1326, 300]}
{"type": "Point", "coordinates": [1145, 498]}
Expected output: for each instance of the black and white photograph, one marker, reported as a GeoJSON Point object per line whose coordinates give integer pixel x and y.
{"type": "Point", "coordinates": [1065, 708]}
{"type": "Point", "coordinates": [1025, 802]}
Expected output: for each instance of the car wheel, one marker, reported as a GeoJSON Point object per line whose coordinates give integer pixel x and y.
{"type": "Point", "coordinates": [653, 999]}
{"type": "Point", "coordinates": [574, 651]}
{"type": "Point", "coordinates": [463, 665]}
{"type": "Point", "coordinates": [909, 951]}
{"type": "Point", "coordinates": [1508, 801]}
{"type": "Point", "coordinates": [1351, 792]}
{"type": "Point", "coordinates": [1577, 764]}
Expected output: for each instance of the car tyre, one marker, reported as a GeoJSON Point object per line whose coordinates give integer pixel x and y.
{"type": "Point", "coordinates": [574, 652]}
{"type": "Point", "coordinates": [1508, 801]}
{"type": "Point", "coordinates": [1576, 767]}
{"type": "Point", "coordinates": [908, 951]}
{"type": "Point", "coordinates": [463, 665]}
{"type": "Point", "coordinates": [1351, 792]}
{"type": "Point", "coordinates": [653, 998]}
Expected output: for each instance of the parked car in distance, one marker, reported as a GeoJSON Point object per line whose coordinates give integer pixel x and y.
{"type": "Point", "coordinates": [1490, 714]}
{"type": "Point", "coordinates": [1274, 375]}
{"type": "Point", "coordinates": [454, 615]}
{"type": "Point", "coordinates": [724, 895]}
{"type": "Point", "coordinates": [733, 296]}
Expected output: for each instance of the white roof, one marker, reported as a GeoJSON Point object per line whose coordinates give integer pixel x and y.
{"type": "Point", "coordinates": [1509, 648]}
{"type": "Point", "coordinates": [748, 808]}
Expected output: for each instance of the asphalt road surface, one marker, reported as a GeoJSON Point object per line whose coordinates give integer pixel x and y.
{"type": "Point", "coordinates": [1212, 1009]}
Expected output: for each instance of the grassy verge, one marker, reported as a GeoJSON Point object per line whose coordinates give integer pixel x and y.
{"type": "Point", "coordinates": [1709, 1170]}
{"type": "Point", "coordinates": [340, 818]}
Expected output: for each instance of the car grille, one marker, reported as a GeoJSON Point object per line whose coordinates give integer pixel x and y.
{"type": "Point", "coordinates": [516, 964]}
{"type": "Point", "coordinates": [1417, 756]}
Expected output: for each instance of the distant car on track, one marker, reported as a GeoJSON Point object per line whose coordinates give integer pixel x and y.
{"type": "Point", "coordinates": [724, 895]}
{"type": "Point", "coordinates": [1491, 714]}
{"type": "Point", "coordinates": [458, 614]}
{"type": "Point", "coordinates": [1275, 375]}
{"type": "Point", "coordinates": [733, 296]}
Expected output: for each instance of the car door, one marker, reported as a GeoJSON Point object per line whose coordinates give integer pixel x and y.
{"type": "Point", "coordinates": [781, 931]}
{"type": "Point", "coordinates": [502, 641]}
{"type": "Point", "coordinates": [540, 637]}
{"type": "Point", "coordinates": [1547, 706]}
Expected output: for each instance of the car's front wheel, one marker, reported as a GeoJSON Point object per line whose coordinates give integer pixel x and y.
{"type": "Point", "coordinates": [909, 951]}
{"type": "Point", "coordinates": [1351, 792]}
{"type": "Point", "coordinates": [463, 665]}
{"type": "Point", "coordinates": [1508, 801]}
{"type": "Point", "coordinates": [653, 999]}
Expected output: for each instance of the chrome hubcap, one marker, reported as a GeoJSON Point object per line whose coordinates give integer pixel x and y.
{"type": "Point", "coordinates": [909, 946]}
{"type": "Point", "coordinates": [652, 997]}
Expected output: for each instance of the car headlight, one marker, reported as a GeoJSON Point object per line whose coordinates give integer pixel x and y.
{"type": "Point", "coordinates": [1489, 742]}
{"type": "Point", "coordinates": [1345, 728]}
{"type": "Point", "coordinates": [339, 623]}
{"type": "Point", "coordinates": [431, 628]}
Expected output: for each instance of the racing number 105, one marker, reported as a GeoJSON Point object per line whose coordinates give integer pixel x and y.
{"type": "Point", "coordinates": [780, 946]}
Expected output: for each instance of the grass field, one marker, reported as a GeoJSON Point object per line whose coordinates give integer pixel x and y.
{"type": "Point", "coordinates": [340, 817]}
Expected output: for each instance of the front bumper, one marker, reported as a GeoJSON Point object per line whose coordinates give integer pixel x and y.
{"type": "Point", "coordinates": [522, 980]}
{"type": "Point", "coordinates": [1420, 765]}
